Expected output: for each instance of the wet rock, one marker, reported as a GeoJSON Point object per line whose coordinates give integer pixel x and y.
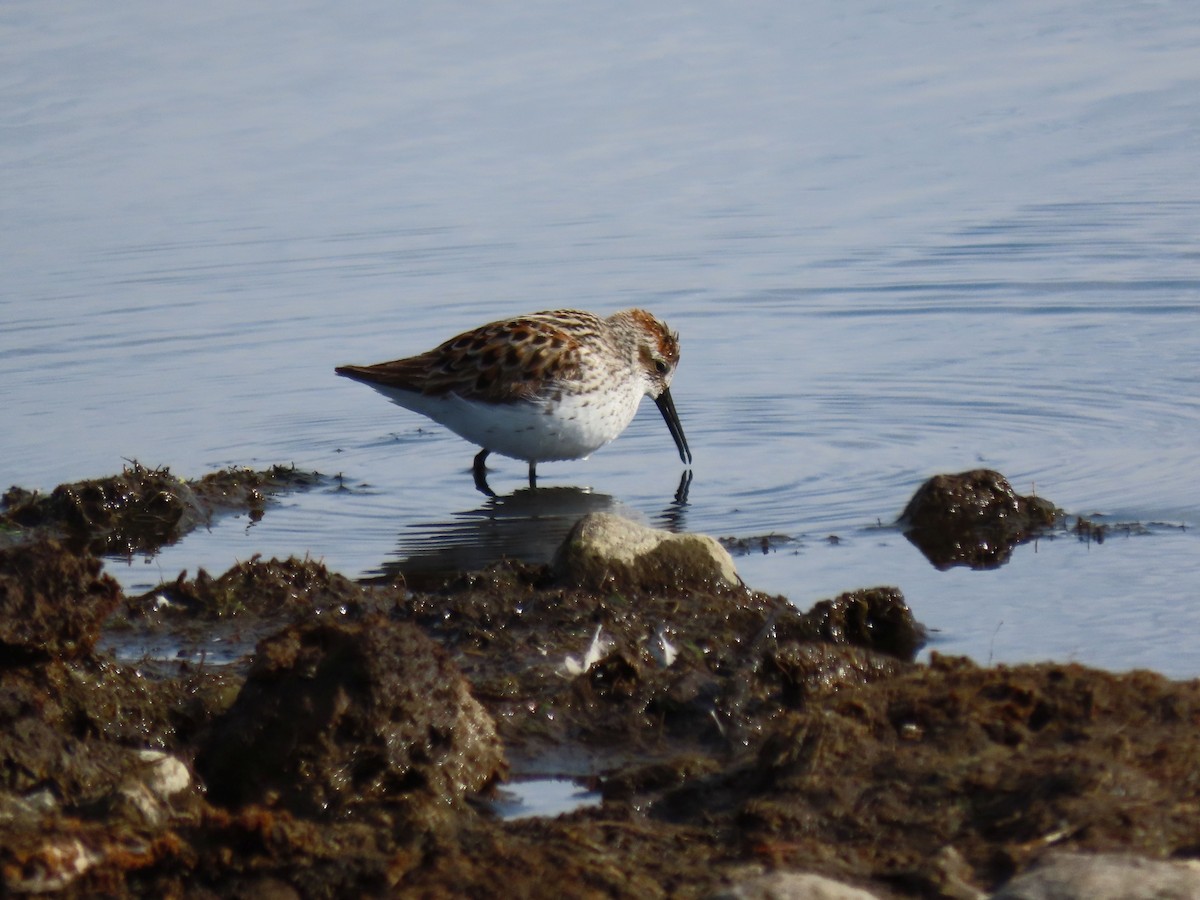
{"type": "Point", "coordinates": [141, 509]}
{"type": "Point", "coordinates": [164, 775]}
{"type": "Point", "coordinates": [1104, 876]}
{"type": "Point", "coordinates": [562, 666]}
{"type": "Point", "coordinates": [791, 886]}
{"type": "Point", "coordinates": [334, 715]}
{"type": "Point", "coordinates": [809, 669]}
{"type": "Point", "coordinates": [973, 519]}
{"type": "Point", "coordinates": [66, 727]}
{"type": "Point", "coordinates": [995, 762]}
{"type": "Point", "coordinates": [876, 618]}
{"type": "Point", "coordinates": [608, 552]}
{"type": "Point", "coordinates": [258, 587]}
{"type": "Point", "coordinates": [144, 797]}
{"type": "Point", "coordinates": [52, 602]}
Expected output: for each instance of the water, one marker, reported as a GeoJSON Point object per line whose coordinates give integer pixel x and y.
{"type": "Point", "coordinates": [895, 242]}
{"type": "Point", "coordinates": [542, 797]}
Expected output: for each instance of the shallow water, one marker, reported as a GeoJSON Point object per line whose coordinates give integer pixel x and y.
{"type": "Point", "coordinates": [894, 243]}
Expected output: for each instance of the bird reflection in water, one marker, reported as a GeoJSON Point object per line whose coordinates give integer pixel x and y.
{"type": "Point", "coordinates": [527, 525]}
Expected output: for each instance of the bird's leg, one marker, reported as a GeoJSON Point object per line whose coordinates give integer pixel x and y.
{"type": "Point", "coordinates": [480, 472]}
{"type": "Point", "coordinates": [532, 474]}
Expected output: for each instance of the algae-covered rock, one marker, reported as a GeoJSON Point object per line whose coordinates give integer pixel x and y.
{"type": "Point", "coordinates": [608, 552]}
{"type": "Point", "coordinates": [876, 618]}
{"type": "Point", "coordinates": [257, 587]}
{"type": "Point", "coordinates": [973, 519]}
{"type": "Point", "coordinates": [52, 603]}
{"type": "Point", "coordinates": [142, 509]}
{"type": "Point", "coordinates": [334, 714]}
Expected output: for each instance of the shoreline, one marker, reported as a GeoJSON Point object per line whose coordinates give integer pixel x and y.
{"type": "Point", "coordinates": [728, 735]}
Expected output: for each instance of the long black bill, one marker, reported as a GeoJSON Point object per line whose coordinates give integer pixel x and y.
{"type": "Point", "coordinates": [666, 406]}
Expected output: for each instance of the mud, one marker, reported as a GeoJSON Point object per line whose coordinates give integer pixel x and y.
{"type": "Point", "coordinates": [351, 750]}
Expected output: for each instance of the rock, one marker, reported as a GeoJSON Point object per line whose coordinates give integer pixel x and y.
{"type": "Point", "coordinates": [791, 886]}
{"type": "Point", "coordinates": [876, 618]}
{"type": "Point", "coordinates": [133, 801]}
{"type": "Point", "coordinates": [973, 519]}
{"type": "Point", "coordinates": [608, 552]}
{"type": "Point", "coordinates": [336, 714]}
{"type": "Point", "coordinates": [52, 602]}
{"type": "Point", "coordinates": [27, 810]}
{"type": "Point", "coordinates": [809, 669]}
{"type": "Point", "coordinates": [144, 796]}
{"type": "Point", "coordinates": [142, 509]}
{"type": "Point", "coordinates": [257, 587]}
{"type": "Point", "coordinates": [1104, 876]}
{"type": "Point", "coordinates": [51, 866]}
{"type": "Point", "coordinates": [164, 775]}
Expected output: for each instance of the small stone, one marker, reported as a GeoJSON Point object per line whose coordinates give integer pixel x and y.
{"type": "Point", "coordinates": [607, 552]}
{"type": "Point", "coordinates": [164, 775]}
{"type": "Point", "coordinates": [792, 886]}
{"type": "Point", "coordinates": [135, 801]}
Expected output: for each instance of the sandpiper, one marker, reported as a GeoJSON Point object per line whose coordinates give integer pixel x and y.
{"type": "Point", "coordinates": [546, 386]}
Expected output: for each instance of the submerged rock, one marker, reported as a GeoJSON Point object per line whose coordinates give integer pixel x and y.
{"type": "Point", "coordinates": [973, 519]}
{"type": "Point", "coordinates": [334, 715]}
{"type": "Point", "coordinates": [608, 552]}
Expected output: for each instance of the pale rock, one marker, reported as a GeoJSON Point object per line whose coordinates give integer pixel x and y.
{"type": "Point", "coordinates": [608, 552]}
{"type": "Point", "coordinates": [164, 775]}
{"type": "Point", "coordinates": [792, 886]}
{"type": "Point", "coordinates": [1104, 876]}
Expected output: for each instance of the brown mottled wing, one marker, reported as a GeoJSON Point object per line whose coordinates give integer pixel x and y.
{"type": "Point", "coordinates": [503, 362]}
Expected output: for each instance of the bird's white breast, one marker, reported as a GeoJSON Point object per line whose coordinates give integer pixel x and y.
{"type": "Point", "coordinates": [570, 428]}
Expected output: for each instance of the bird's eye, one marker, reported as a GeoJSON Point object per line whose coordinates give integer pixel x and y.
{"type": "Point", "coordinates": [661, 367]}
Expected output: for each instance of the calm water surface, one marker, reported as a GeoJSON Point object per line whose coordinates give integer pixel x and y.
{"type": "Point", "coordinates": [894, 241]}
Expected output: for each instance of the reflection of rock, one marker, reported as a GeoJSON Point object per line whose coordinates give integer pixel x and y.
{"type": "Point", "coordinates": [333, 715]}
{"type": "Point", "coordinates": [607, 552]}
{"type": "Point", "coordinates": [527, 525]}
{"type": "Point", "coordinates": [973, 519]}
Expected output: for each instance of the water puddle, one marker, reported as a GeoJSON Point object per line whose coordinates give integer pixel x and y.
{"type": "Point", "coordinates": [542, 797]}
